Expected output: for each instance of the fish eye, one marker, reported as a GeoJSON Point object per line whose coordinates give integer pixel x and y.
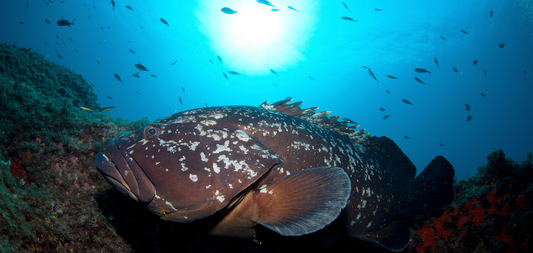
{"type": "Point", "coordinates": [152, 131]}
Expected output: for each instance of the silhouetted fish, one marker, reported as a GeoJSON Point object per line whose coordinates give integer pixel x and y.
{"type": "Point", "coordinates": [382, 109]}
{"type": "Point", "coordinates": [348, 19]}
{"type": "Point", "coordinates": [468, 108]}
{"type": "Point", "coordinates": [98, 62]}
{"type": "Point", "coordinates": [27, 4]}
{"type": "Point", "coordinates": [421, 70]}
{"type": "Point", "coordinates": [502, 45]}
{"type": "Point", "coordinates": [47, 21]}
{"type": "Point", "coordinates": [475, 62]}
{"type": "Point", "coordinates": [164, 21]}
{"type": "Point", "coordinates": [378, 9]}
{"type": "Point", "coordinates": [109, 97]}
{"type": "Point", "coordinates": [234, 73]}
{"type": "Point", "coordinates": [292, 8]}
{"type": "Point", "coordinates": [64, 22]}
{"type": "Point", "coordinates": [105, 109]}
{"type": "Point", "coordinates": [183, 89]}
{"type": "Point", "coordinates": [371, 73]}
{"type": "Point", "coordinates": [220, 59]}
{"type": "Point", "coordinates": [491, 13]}
{"type": "Point", "coordinates": [141, 67]}
{"type": "Point", "coordinates": [392, 77]}
{"type": "Point", "coordinates": [225, 75]}
{"type": "Point", "coordinates": [386, 116]}
{"type": "Point", "coordinates": [113, 4]}
{"type": "Point", "coordinates": [312, 78]}
{"type": "Point", "coordinates": [387, 91]}
{"type": "Point", "coordinates": [275, 9]}
{"type": "Point", "coordinates": [465, 32]}
{"type": "Point", "coordinates": [129, 7]}
{"type": "Point", "coordinates": [137, 93]}
{"type": "Point", "coordinates": [152, 75]}
{"type": "Point", "coordinates": [469, 118]}
{"type": "Point", "coordinates": [274, 72]}
{"type": "Point", "coordinates": [483, 95]}
{"type": "Point", "coordinates": [441, 144]}
{"type": "Point", "coordinates": [454, 69]}
{"type": "Point", "coordinates": [418, 80]}
{"type": "Point", "coordinates": [484, 73]}
{"type": "Point", "coordinates": [174, 62]}
{"type": "Point", "coordinates": [132, 51]}
{"type": "Point", "coordinates": [346, 6]}
{"type": "Point", "coordinates": [117, 77]}
{"type": "Point", "coordinates": [265, 2]}
{"type": "Point", "coordinates": [58, 55]}
{"type": "Point", "coordinates": [228, 10]}
{"type": "Point", "coordinates": [406, 137]}
{"type": "Point", "coordinates": [180, 100]}
{"type": "Point", "coordinates": [136, 74]}
{"type": "Point", "coordinates": [442, 37]}
{"type": "Point", "coordinates": [436, 62]}
{"type": "Point", "coordinates": [407, 101]}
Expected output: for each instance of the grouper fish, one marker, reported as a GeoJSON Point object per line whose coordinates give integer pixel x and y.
{"type": "Point", "coordinates": [289, 169]}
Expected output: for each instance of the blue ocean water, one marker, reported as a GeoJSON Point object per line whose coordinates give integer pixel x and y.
{"type": "Point", "coordinates": [389, 37]}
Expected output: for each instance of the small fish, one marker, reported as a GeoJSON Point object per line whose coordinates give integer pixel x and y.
{"type": "Point", "coordinates": [152, 75]}
{"type": "Point", "coordinates": [137, 74]}
{"type": "Point", "coordinates": [465, 32]}
{"type": "Point", "coordinates": [274, 72]}
{"type": "Point", "coordinates": [392, 77]}
{"type": "Point", "coordinates": [211, 62]}
{"type": "Point", "coordinates": [348, 19]}
{"type": "Point", "coordinates": [312, 78]}
{"type": "Point", "coordinates": [109, 97]}
{"type": "Point", "coordinates": [107, 108]}
{"type": "Point", "coordinates": [220, 59]}
{"type": "Point", "coordinates": [386, 116]}
{"type": "Point", "coordinates": [141, 67]}
{"type": "Point", "coordinates": [265, 2]}
{"type": "Point", "coordinates": [274, 9]}
{"type": "Point", "coordinates": [469, 118]}
{"type": "Point", "coordinates": [421, 70]}
{"type": "Point", "coordinates": [406, 137]}
{"type": "Point", "coordinates": [502, 45]}
{"type": "Point", "coordinates": [225, 76]}
{"type": "Point", "coordinates": [468, 108]}
{"type": "Point", "coordinates": [132, 51]}
{"type": "Point", "coordinates": [101, 28]}
{"type": "Point", "coordinates": [378, 9]}
{"type": "Point", "coordinates": [27, 4]}
{"type": "Point", "coordinates": [442, 37]}
{"type": "Point", "coordinates": [70, 38]}
{"type": "Point", "coordinates": [387, 91]}
{"type": "Point", "coordinates": [58, 55]}
{"type": "Point", "coordinates": [164, 21]}
{"type": "Point", "coordinates": [137, 93]}
{"type": "Point", "coordinates": [228, 10]}
{"type": "Point", "coordinates": [274, 84]}
{"type": "Point", "coordinates": [292, 8]}
{"type": "Point", "coordinates": [418, 80]}
{"type": "Point", "coordinates": [441, 144]}
{"type": "Point", "coordinates": [371, 73]}
{"type": "Point", "coordinates": [406, 101]}
{"type": "Point", "coordinates": [475, 62]}
{"type": "Point", "coordinates": [47, 21]}
{"type": "Point", "coordinates": [343, 3]}
{"type": "Point", "coordinates": [525, 72]}
{"type": "Point", "coordinates": [98, 62]}
{"type": "Point", "coordinates": [117, 77]}
{"type": "Point", "coordinates": [87, 109]}
{"type": "Point", "coordinates": [234, 73]}
{"type": "Point", "coordinates": [491, 13]}
{"type": "Point", "coordinates": [382, 109]}
{"type": "Point", "coordinates": [436, 62]}
{"type": "Point", "coordinates": [64, 22]}
{"type": "Point", "coordinates": [485, 73]}
{"type": "Point", "coordinates": [454, 69]}
{"type": "Point", "coordinates": [482, 94]}
{"type": "Point", "coordinates": [180, 100]}
{"type": "Point", "coordinates": [141, 27]}
{"type": "Point", "coordinates": [113, 4]}
{"type": "Point", "coordinates": [129, 7]}
{"type": "Point", "coordinates": [76, 51]}
{"type": "Point", "coordinates": [183, 89]}
{"type": "Point", "coordinates": [206, 105]}
{"type": "Point", "coordinates": [174, 62]}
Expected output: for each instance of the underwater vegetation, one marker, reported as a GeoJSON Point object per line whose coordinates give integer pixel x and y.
{"type": "Point", "coordinates": [52, 198]}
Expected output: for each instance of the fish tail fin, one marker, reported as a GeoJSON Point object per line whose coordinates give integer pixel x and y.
{"type": "Point", "coordinates": [434, 187]}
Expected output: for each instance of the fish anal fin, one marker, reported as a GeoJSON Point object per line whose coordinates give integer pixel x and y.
{"type": "Point", "coordinates": [303, 202]}
{"type": "Point", "coordinates": [394, 236]}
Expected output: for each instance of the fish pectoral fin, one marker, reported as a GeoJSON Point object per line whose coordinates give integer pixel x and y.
{"type": "Point", "coordinates": [394, 236]}
{"type": "Point", "coordinates": [303, 202]}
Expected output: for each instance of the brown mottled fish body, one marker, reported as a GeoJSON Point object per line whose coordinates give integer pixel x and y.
{"type": "Point", "coordinates": [286, 168]}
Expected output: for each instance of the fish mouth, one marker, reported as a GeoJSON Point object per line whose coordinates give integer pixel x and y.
{"type": "Point", "coordinates": [124, 173]}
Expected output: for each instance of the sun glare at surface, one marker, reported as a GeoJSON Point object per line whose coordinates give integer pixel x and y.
{"type": "Point", "coordinates": [256, 38]}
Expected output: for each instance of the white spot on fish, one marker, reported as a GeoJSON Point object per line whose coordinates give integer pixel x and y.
{"type": "Point", "coordinates": [241, 135]}
{"type": "Point", "coordinates": [216, 168]}
{"type": "Point", "coordinates": [221, 148]}
{"type": "Point", "coordinates": [170, 204]}
{"type": "Point", "coordinates": [203, 158]}
{"type": "Point", "coordinates": [193, 177]}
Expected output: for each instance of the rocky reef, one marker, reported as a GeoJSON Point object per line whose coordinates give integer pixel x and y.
{"type": "Point", "coordinates": [54, 200]}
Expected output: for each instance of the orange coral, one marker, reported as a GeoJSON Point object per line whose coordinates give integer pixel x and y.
{"type": "Point", "coordinates": [439, 226]}
{"type": "Point", "coordinates": [428, 235]}
{"type": "Point", "coordinates": [492, 197]}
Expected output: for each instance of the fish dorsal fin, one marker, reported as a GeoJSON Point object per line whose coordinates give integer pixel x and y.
{"type": "Point", "coordinates": [394, 236]}
{"type": "Point", "coordinates": [318, 118]}
{"type": "Point", "coordinates": [303, 202]}
{"type": "Point", "coordinates": [387, 149]}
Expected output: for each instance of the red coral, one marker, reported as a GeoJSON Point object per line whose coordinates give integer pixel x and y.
{"type": "Point", "coordinates": [462, 221]}
{"type": "Point", "coordinates": [439, 226]}
{"type": "Point", "coordinates": [508, 238]}
{"type": "Point", "coordinates": [478, 215]}
{"type": "Point", "coordinates": [522, 202]}
{"type": "Point", "coordinates": [493, 209]}
{"type": "Point", "coordinates": [428, 235]}
{"type": "Point", "coordinates": [492, 197]}
{"type": "Point", "coordinates": [505, 209]}
{"type": "Point", "coordinates": [470, 204]}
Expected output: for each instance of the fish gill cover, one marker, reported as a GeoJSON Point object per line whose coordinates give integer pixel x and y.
{"type": "Point", "coordinates": [54, 200]}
